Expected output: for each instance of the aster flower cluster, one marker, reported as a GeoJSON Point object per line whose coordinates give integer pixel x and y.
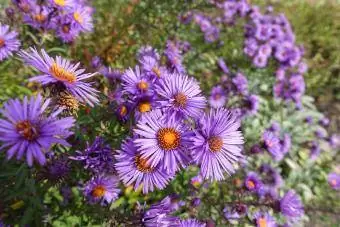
{"type": "Point", "coordinates": [211, 31]}
{"type": "Point", "coordinates": [233, 89]}
{"type": "Point", "coordinates": [172, 130]}
{"type": "Point", "coordinates": [67, 18]}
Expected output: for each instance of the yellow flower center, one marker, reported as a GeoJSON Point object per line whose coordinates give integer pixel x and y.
{"type": "Point", "coordinates": [168, 138]}
{"type": "Point", "coordinates": [40, 18]}
{"type": "Point", "coordinates": [142, 164]}
{"type": "Point", "coordinates": [123, 111]}
{"type": "Point", "coordinates": [98, 191]}
{"type": "Point", "coordinates": [156, 71]}
{"type": "Point", "coordinates": [262, 222]}
{"type": "Point", "coordinates": [61, 74]}
{"type": "Point", "coordinates": [27, 130]}
{"type": "Point", "coordinates": [180, 100]}
{"type": "Point", "coordinates": [215, 143]}
{"type": "Point", "coordinates": [60, 2]}
{"type": "Point", "coordinates": [143, 85]}
{"type": "Point", "coordinates": [250, 184]}
{"type": "Point", "coordinates": [78, 17]}
{"type": "Point", "coordinates": [144, 107]}
{"type": "Point", "coordinates": [2, 42]}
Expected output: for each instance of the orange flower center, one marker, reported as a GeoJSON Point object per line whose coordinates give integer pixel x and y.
{"type": "Point", "coordinates": [98, 191]}
{"type": "Point", "coordinates": [142, 164]}
{"type": "Point", "coordinates": [168, 138]}
{"type": "Point", "coordinates": [144, 107]}
{"type": "Point", "coordinates": [250, 184]}
{"type": "Point", "coordinates": [215, 143]}
{"type": "Point", "coordinates": [66, 28]}
{"type": "Point", "coordinates": [156, 71]}
{"type": "Point", "coordinates": [123, 111]}
{"type": "Point", "coordinates": [78, 17]}
{"type": "Point", "coordinates": [143, 85]}
{"type": "Point", "coordinates": [27, 130]}
{"type": "Point", "coordinates": [180, 100]}
{"type": "Point", "coordinates": [40, 18]}
{"type": "Point", "coordinates": [2, 42]}
{"type": "Point", "coordinates": [217, 96]}
{"type": "Point", "coordinates": [262, 222]}
{"type": "Point", "coordinates": [61, 74]}
{"type": "Point", "coordinates": [60, 2]}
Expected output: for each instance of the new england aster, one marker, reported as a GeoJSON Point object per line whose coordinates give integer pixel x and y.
{"type": "Point", "coordinates": [264, 220]}
{"type": "Point", "coordinates": [291, 205]}
{"type": "Point", "coordinates": [217, 144]}
{"type": "Point", "coordinates": [163, 140]}
{"type": "Point", "coordinates": [8, 42]}
{"type": "Point", "coordinates": [181, 96]}
{"type": "Point", "coordinates": [102, 188]}
{"type": "Point", "coordinates": [134, 170]}
{"type": "Point", "coordinates": [61, 71]}
{"type": "Point", "coordinates": [26, 129]}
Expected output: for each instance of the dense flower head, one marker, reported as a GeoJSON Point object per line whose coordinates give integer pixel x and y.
{"type": "Point", "coordinates": [252, 182]}
{"type": "Point", "coordinates": [39, 17]}
{"type": "Point", "coordinates": [97, 157]}
{"type": "Point", "coordinates": [241, 84]}
{"type": "Point", "coordinates": [291, 205]}
{"type": "Point", "coordinates": [56, 170]}
{"type": "Point", "coordinates": [159, 214]}
{"type": "Point", "coordinates": [148, 51]}
{"type": "Point", "coordinates": [174, 57]}
{"type": "Point", "coordinates": [217, 143]}
{"type": "Point", "coordinates": [135, 170]}
{"type": "Point", "coordinates": [180, 96]}
{"type": "Point", "coordinates": [264, 220]}
{"type": "Point", "coordinates": [9, 42]}
{"type": "Point", "coordinates": [27, 130]}
{"type": "Point", "coordinates": [270, 176]}
{"type": "Point", "coordinates": [163, 140]}
{"type": "Point", "coordinates": [61, 71]}
{"type": "Point", "coordinates": [271, 143]}
{"type": "Point", "coordinates": [102, 189]}
{"type": "Point", "coordinates": [334, 180]}
{"type": "Point", "coordinates": [136, 83]}
{"type": "Point", "coordinates": [251, 104]}
{"type": "Point", "coordinates": [217, 97]}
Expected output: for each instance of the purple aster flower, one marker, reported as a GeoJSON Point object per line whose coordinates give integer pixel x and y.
{"type": "Point", "coordinates": [275, 127]}
{"type": "Point", "coordinates": [265, 50]}
{"type": "Point", "coordinates": [320, 133]}
{"type": "Point", "coordinates": [272, 144]}
{"type": "Point", "coordinates": [251, 104]}
{"type": "Point", "coordinates": [256, 149]}
{"type": "Point", "coordinates": [147, 51]}
{"type": "Point", "coordinates": [196, 181]}
{"type": "Point", "coordinates": [159, 215]}
{"type": "Point", "coordinates": [82, 18]}
{"type": "Point", "coordinates": [186, 17]}
{"type": "Point", "coordinates": [135, 170]}
{"type": "Point", "coordinates": [123, 112]}
{"type": "Point", "coordinates": [113, 75]}
{"type": "Point", "coordinates": [137, 83]}
{"type": "Point", "coordinates": [96, 62]}
{"type": "Point", "coordinates": [196, 202]}
{"type": "Point", "coordinates": [38, 18]}
{"type": "Point", "coordinates": [268, 194]}
{"type": "Point", "coordinates": [324, 121]}
{"type": "Point", "coordinates": [102, 188]}
{"type": "Point", "coordinates": [8, 42]}
{"type": "Point", "coordinates": [152, 67]}
{"type": "Point", "coordinates": [334, 181]}
{"type": "Point", "coordinates": [235, 212]}
{"type": "Point", "coordinates": [144, 105]}
{"type": "Point", "coordinates": [163, 141]}
{"type": "Point", "coordinates": [221, 63]}
{"type": "Point", "coordinates": [98, 157]}
{"type": "Point", "coordinates": [25, 6]}
{"type": "Point", "coordinates": [270, 176]}
{"type": "Point", "coordinates": [217, 97]}
{"type": "Point", "coordinates": [61, 71]}
{"type": "Point", "coordinates": [56, 170]}
{"type": "Point", "coordinates": [260, 60]}
{"type": "Point", "coordinates": [264, 220]}
{"type": "Point", "coordinates": [253, 182]}
{"type": "Point", "coordinates": [291, 205]}
{"type": "Point", "coordinates": [174, 56]}
{"type": "Point", "coordinates": [309, 120]}
{"type": "Point", "coordinates": [217, 143]}
{"type": "Point", "coordinates": [26, 129]}
{"type": "Point", "coordinates": [65, 29]}
{"type": "Point", "coordinates": [212, 34]}
{"type": "Point", "coordinates": [176, 202]}
{"type": "Point", "coordinates": [241, 84]}
{"type": "Point", "coordinates": [180, 96]}
{"type": "Point", "coordinates": [334, 141]}
{"type": "Point", "coordinates": [314, 150]}
{"type": "Point", "coordinates": [191, 223]}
